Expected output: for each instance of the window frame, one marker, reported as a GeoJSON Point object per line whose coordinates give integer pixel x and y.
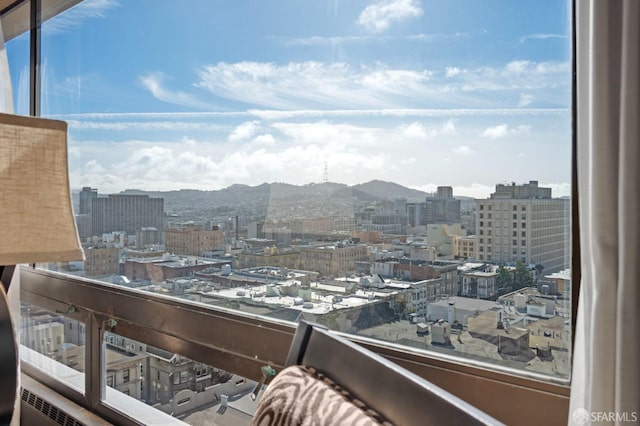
{"type": "Point", "coordinates": [460, 376]}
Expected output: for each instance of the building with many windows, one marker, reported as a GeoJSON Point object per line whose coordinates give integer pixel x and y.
{"type": "Point", "coordinates": [466, 247]}
{"type": "Point", "coordinates": [269, 256]}
{"type": "Point", "coordinates": [440, 207]}
{"type": "Point", "coordinates": [193, 240]}
{"type": "Point", "coordinates": [127, 213]}
{"type": "Point", "coordinates": [333, 259]}
{"type": "Point", "coordinates": [87, 195]}
{"type": "Point", "coordinates": [522, 223]}
{"type": "Point", "coordinates": [101, 261]}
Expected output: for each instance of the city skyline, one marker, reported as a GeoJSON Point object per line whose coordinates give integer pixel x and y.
{"type": "Point", "coordinates": [421, 93]}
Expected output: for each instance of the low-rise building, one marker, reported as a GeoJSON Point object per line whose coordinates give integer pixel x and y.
{"type": "Point", "coordinates": [193, 240]}
{"type": "Point", "coordinates": [466, 247]}
{"type": "Point", "coordinates": [163, 268]}
{"type": "Point", "coordinates": [333, 260]}
{"type": "Point", "coordinates": [479, 281]}
{"type": "Point", "coordinates": [491, 326]}
{"type": "Point", "coordinates": [101, 261]}
{"type": "Point", "coordinates": [269, 256]}
{"type": "Point", "coordinates": [148, 237]}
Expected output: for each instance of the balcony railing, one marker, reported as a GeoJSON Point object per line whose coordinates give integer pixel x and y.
{"type": "Point", "coordinates": [242, 343]}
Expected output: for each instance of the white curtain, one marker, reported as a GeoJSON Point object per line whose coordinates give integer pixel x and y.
{"type": "Point", "coordinates": [606, 368]}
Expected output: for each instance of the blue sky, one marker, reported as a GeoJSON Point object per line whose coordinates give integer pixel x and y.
{"type": "Point", "coordinates": [205, 94]}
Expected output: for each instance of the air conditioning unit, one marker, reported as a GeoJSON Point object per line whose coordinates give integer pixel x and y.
{"type": "Point", "coordinates": [41, 405]}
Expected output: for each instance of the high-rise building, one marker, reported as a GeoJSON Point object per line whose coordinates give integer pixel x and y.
{"type": "Point", "coordinates": [86, 196]}
{"type": "Point", "coordinates": [522, 223]}
{"type": "Point", "coordinates": [83, 223]}
{"type": "Point", "coordinates": [127, 213]}
{"type": "Point", "coordinates": [440, 207]}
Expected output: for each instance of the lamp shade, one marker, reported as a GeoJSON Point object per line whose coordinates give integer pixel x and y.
{"type": "Point", "coordinates": [36, 216]}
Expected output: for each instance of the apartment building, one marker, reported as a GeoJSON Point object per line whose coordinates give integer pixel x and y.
{"type": "Point", "coordinates": [333, 260]}
{"type": "Point", "coordinates": [523, 223]}
{"type": "Point", "coordinates": [101, 261]}
{"type": "Point", "coordinates": [270, 256]}
{"type": "Point", "coordinates": [193, 240]}
{"type": "Point", "coordinates": [466, 247]}
{"type": "Point", "coordinates": [440, 207]}
{"type": "Point", "coordinates": [128, 213]}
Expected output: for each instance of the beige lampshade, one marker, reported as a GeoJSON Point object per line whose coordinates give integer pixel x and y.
{"type": "Point", "coordinates": [36, 216]}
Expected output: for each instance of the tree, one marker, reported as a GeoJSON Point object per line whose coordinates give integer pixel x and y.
{"type": "Point", "coordinates": [504, 280]}
{"type": "Point", "coordinates": [522, 277]}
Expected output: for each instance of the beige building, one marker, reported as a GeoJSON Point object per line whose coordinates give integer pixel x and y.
{"type": "Point", "coordinates": [192, 240]}
{"type": "Point", "coordinates": [125, 372]}
{"type": "Point", "coordinates": [101, 261]}
{"type": "Point", "coordinates": [444, 237]}
{"type": "Point", "coordinates": [466, 247]}
{"type": "Point", "coordinates": [344, 223]}
{"type": "Point", "coordinates": [169, 374]}
{"type": "Point", "coordinates": [333, 260]}
{"type": "Point", "coordinates": [562, 280]}
{"type": "Point", "coordinates": [523, 223]}
{"type": "Point", "coordinates": [270, 256]}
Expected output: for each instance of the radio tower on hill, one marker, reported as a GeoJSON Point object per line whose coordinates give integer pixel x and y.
{"type": "Point", "coordinates": [325, 173]}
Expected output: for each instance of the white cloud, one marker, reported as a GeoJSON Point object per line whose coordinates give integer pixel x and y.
{"type": "Point", "coordinates": [452, 71]}
{"type": "Point", "coordinates": [154, 83]}
{"type": "Point", "coordinates": [142, 125]}
{"type": "Point", "coordinates": [417, 112]}
{"type": "Point", "coordinates": [294, 151]}
{"type": "Point", "coordinates": [503, 130]}
{"type": "Point", "coordinates": [77, 15]}
{"type": "Point", "coordinates": [323, 132]}
{"type": "Point", "coordinates": [313, 85]}
{"type": "Point", "coordinates": [244, 131]}
{"type": "Point", "coordinates": [448, 128]}
{"type": "Point", "coordinates": [417, 130]}
{"type": "Point", "coordinates": [525, 100]}
{"type": "Point", "coordinates": [298, 85]}
{"type": "Point", "coordinates": [338, 40]}
{"type": "Point", "coordinates": [496, 132]}
{"type": "Point", "coordinates": [522, 128]}
{"type": "Point", "coordinates": [559, 189]}
{"type": "Point", "coordinates": [266, 139]}
{"type": "Point", "coordinates": [463, 150]}
{"type": "Point", "coordinates": [379, 15]}
{"type": "Point", "coordinates": [517, 67]}
{"type": "Point", "coordinates": [388, 80]}
{"type": "Point", "coordinates": [541, 37]}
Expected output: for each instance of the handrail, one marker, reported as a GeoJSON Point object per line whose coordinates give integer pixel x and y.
{"type": "Point", "coordinates": [242, 343]}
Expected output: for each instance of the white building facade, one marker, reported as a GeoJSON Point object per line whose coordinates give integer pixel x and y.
{"type": "Point", "coordinates": [522, 223]}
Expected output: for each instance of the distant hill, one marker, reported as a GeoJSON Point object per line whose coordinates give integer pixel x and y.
{"type": "Point", "coordinates": [278, 199]}
{"type": "Point", "coordinates": [263, 194]}
{"type": "Point", "coordinates": [389, 190]}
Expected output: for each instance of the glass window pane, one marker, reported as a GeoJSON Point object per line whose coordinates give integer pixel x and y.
{"type": "Point", "coordinates": [331, 167]}
{"type": "Point", "coordinates": [173, 384]}
{"type": "Point", "coordinates": [54, 343]}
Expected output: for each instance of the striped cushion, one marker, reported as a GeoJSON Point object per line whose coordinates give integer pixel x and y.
{"type": "Point", "coordinates": [300, 395]}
